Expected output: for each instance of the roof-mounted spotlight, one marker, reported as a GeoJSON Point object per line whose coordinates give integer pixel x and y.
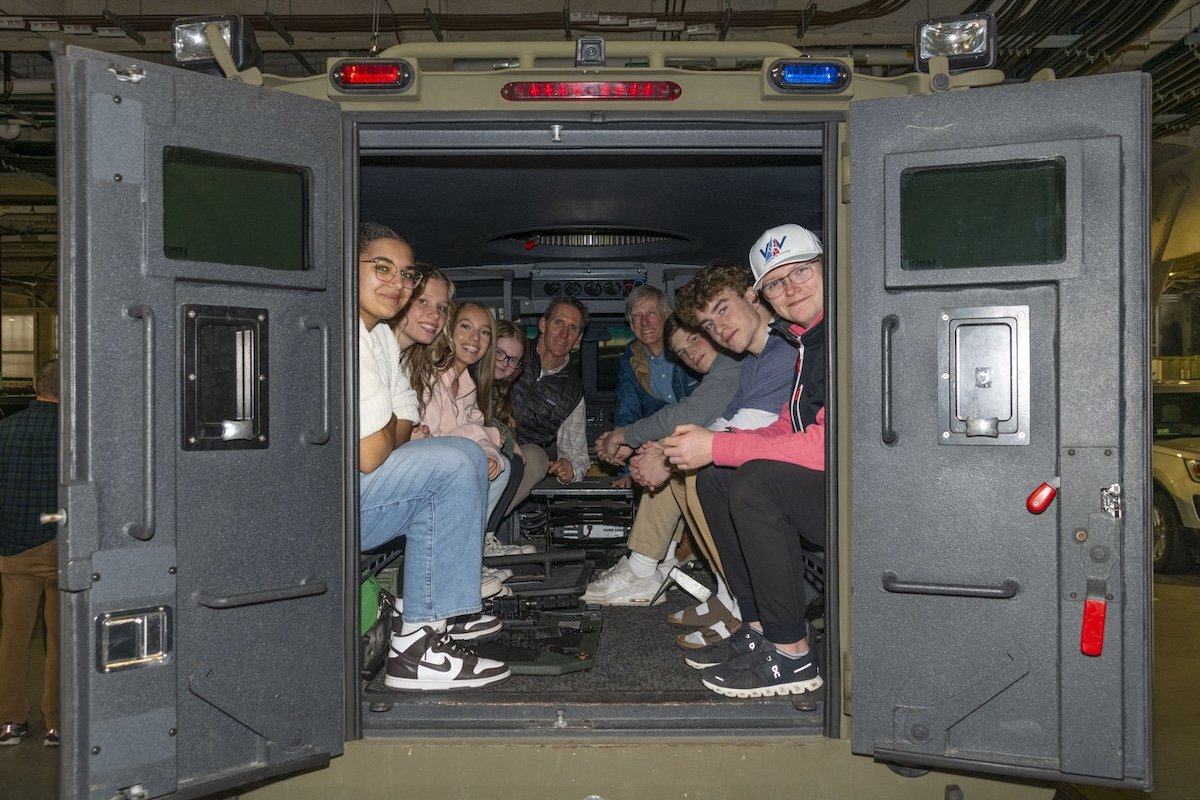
{"type": "Point", "coordinates": [192, 50]}
{"type": "Point", "coordinates": [967, 42]}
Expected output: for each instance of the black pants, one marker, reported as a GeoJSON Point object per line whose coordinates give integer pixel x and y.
{"type": "Point", "coordinates": [759, 514]}
{"type": "Point", "coordinates": [516, 470]}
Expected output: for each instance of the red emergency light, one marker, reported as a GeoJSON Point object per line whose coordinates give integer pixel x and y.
{"type": "Point", "coordinates": [591, 90]}
{"type": "Point", "coordinates": [371, 76]}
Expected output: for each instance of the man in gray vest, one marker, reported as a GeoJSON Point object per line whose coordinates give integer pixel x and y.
{"type": "Point", "coordinates": [548, 397]}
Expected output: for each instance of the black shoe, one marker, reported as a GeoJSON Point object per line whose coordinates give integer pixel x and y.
{"type": "Point", "coordinates": [746, 640]}
{"type": "Point", "coordinates": [12, 733]}
{"type": "Point", "coordinates": [765, 672]}
{"type": "Point", "coordinates": [430, 661]}
{"type": "Point", "coordinates": [52, 738]}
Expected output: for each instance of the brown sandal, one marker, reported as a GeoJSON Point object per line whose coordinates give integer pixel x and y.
{"type": "Point", "coordinates": [688, 618]}
{"type": "Point", "coordinates": [712, 634]}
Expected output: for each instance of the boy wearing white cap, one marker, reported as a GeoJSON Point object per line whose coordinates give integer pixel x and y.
{"type": "Point", "coordinates": [769, 491]}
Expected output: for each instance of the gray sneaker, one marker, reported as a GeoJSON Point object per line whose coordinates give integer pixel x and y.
{"type": "Point", "coordinates": [620, 586]}
{"type": "Point", "coordinates": [494, 547]}
{"type": "Point", "coordinates": [12, 733]}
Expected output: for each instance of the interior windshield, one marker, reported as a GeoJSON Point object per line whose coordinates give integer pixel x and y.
{"type": "Point", "coordinates": [1176, 414]}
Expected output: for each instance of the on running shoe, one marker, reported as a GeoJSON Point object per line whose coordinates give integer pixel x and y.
{"type": "Point", "coordinates": [764, 672]}
{"type": "Point", "coordinates": [746, 640]}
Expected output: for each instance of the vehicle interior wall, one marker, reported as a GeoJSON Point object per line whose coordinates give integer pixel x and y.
{"type": "Point", "coordinates": [514, 228]}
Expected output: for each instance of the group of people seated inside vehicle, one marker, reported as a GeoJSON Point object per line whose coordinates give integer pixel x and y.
{"type": "Point", "coordinates": [460, 417]}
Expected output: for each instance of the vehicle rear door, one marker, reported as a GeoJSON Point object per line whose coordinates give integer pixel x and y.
{"type": "Point", "coordinates": [202, 429]}
{"type": "Point", "coordinates": [1000, 272]}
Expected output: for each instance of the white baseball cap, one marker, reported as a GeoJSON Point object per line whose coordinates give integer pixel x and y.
{"type": "Point", "coordinates": [783, 244]}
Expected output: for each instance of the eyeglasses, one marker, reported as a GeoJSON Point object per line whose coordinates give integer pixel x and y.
{"type": "Point", "coordinates": [387, 272]}
{"type": "Point", "coordinates": [504, 358]}
{"type": "Point", "coordinates": [799, 275]}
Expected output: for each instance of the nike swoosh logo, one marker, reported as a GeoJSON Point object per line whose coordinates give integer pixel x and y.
{"type": "Point", "coordinates": [444, 666]}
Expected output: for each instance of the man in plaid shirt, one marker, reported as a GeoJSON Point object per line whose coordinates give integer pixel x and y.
{"type": "Point", "coordinates": [29, 555]}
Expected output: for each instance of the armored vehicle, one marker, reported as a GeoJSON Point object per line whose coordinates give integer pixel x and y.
{"type": "Point", "coordinates": [986, 625]}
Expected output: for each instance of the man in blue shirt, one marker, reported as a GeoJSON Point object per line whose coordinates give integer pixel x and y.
{"type": "Point", "coordinates": [29, 556]}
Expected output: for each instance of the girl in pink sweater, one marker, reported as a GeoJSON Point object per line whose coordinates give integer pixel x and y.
{"type": "Point", "coordinates": [450, 401]}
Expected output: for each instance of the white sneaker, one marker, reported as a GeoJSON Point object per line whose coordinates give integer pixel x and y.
{"type": "Point", "coordinates": [500, 573]}
{"type": "Point", "coordinates": [619, 586]}
{"type": "Point", "coordinates": [494, 547]}
{"type": "Point", "coordinates": [491, 585]}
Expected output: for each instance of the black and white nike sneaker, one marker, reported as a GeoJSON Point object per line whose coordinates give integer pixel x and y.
{"type": "Point", "coordinates": [430, 661]}
{"type": "Point", "coordinates": [473, 626]}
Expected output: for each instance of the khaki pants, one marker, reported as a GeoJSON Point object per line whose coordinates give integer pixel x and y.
{"type": "Point", "coordinates": [536, 465]}
{"type": "Point", "coordinates": [660, 518]}
{"type": "Point", "coordinates": [25, 578]}
{"type": "Point", "coordinates": [656, 523]}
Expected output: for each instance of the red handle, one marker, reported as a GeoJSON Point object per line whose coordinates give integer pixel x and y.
{"type": "Point", "coordinates": [1041, 497]}
{"type": "Point", "coordinates": [1091, 637]}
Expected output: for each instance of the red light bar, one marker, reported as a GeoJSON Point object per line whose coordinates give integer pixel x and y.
{"type": "Point", "coordinates": [591, 90]}
{"type": "Point", "coordinates": [373, 75]}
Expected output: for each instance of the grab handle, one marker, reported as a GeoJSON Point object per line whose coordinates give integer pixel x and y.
{"type": "Point", "coordinates": [887, 433]}
{"type": "Point", "coordinates": [144, 531]}
{"type": "Point", "coordinates": [320, 436]}
{"type": "Point", "coordinates": [1006, 590]}
{"type": "Point", "coordinates": [306, 588]}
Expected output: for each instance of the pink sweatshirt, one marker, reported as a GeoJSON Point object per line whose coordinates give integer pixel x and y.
{"type": "Point", "coordinates": [457, 414]}
{"type": "Point", "coordinates": [780, 441]}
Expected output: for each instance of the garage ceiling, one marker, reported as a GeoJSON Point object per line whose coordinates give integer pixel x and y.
{"type": "Point", "coordinates": [1072, 37]}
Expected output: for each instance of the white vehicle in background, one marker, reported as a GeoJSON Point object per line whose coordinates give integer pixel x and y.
{"type": "Point", "coordinates": [1176, 464]}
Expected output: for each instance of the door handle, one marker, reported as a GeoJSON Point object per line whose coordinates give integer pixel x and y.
{"type": "Point", "coordinates": [144, 531]}
{"type": "Point", "coordinates": [1006, 590]}
{"type": "Point", "coordinates": [320, 436]}
{"type": "Point", "coordinates": [886, 432]}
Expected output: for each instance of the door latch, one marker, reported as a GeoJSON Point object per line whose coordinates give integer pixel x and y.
{"type": "Point", "coordinates": [1110, 501]}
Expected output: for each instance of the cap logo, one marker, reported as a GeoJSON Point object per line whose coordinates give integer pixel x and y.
{"type": "Point", "coordinates": [773, 248]}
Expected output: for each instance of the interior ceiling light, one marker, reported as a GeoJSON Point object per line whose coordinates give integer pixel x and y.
{"type": "Point", "coordinates": [592, 242]}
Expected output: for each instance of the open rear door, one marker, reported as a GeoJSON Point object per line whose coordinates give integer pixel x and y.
{"type": "Point", "coordinates": [202, 429]}
{"type": "Point", "coordinates": [1000, 273]}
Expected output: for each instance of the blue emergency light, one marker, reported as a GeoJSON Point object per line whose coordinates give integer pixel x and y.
{"type": "Point", "coordinates": [809, 76]}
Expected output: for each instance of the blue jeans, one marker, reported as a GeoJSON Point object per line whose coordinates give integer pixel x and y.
{"type": "Point", "coordinates": [433, 492]}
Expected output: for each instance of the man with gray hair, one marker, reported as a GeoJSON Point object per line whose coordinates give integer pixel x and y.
{"type": "Point", "coordinates": [29, 556]}
{"type": "Point", "coordinates": [647, 378]}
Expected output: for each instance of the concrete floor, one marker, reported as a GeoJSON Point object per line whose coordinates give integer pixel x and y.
{"type": "Point", "coordinates": [30, 771]}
